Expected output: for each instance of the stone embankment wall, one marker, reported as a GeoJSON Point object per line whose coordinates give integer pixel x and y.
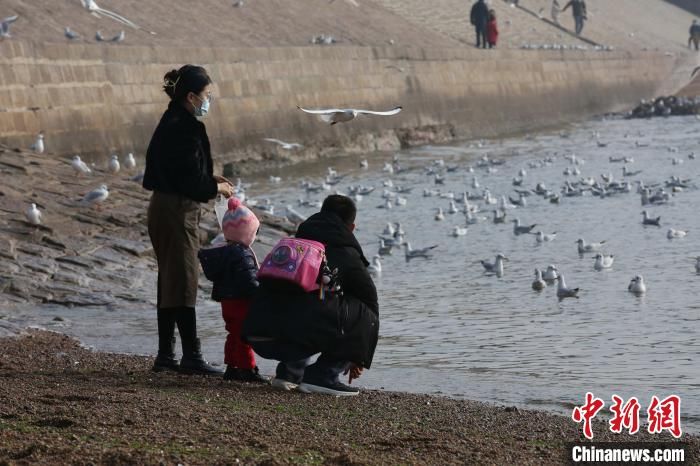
{"type": "Point", "coordinates": [94, 99]}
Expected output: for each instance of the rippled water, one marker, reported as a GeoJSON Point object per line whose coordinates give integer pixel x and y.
{"type": "Point", "coordinates": [447, 328]}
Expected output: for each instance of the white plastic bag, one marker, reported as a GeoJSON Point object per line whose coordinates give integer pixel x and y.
{"type": "Point", "coordinates": [220, 208]}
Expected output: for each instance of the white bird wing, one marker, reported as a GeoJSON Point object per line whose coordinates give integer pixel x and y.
{"type": "Point", "coordinates": [393, 111]}
{"type": "Point", "coordinates": [9, 20]}
{"type": "Point", "coordinates": [276, 141]}
{"type": "Point", "coordinates": [321, 111]}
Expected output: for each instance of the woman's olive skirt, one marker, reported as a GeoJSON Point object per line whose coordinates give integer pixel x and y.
{"type": "Point", "coordinates": [173, 225]}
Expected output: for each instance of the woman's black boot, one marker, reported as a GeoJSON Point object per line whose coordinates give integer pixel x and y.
{"type": "Point", "coordinates": [165, 360]}
{"type": "Point", "coordinates": [192, 361]}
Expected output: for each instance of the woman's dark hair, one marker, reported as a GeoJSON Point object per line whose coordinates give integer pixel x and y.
{"type": "Point", "coordinates": [190, 78]}
{"type": "Point", "coordinates": [342, 206]}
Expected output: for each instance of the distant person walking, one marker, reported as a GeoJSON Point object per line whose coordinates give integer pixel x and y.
{"type": "Point", "coordinates": [694, 34]}
{"type": "Point", "coordinates": [492, 29]}
{"type": "Point", "coordinates": [580, 15]}
{"type": "Point", "coordinates": [556, 9]}
{"type": "Point", "coordinates": [480, 19]}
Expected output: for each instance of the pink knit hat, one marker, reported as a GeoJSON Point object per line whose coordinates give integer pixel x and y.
{"type": "Point", "coordinates": [240, 224]}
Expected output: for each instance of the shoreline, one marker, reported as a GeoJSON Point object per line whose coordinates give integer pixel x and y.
{"type": "Point", "coordinates": [66, 403]}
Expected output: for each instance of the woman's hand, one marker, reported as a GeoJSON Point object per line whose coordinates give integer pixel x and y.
{"type": "Point", "coordinates": [221, 179]}
{"type": "Point", "coordinates": [226, 189]}
{"type": "Point", "coordinates": [354, 370]}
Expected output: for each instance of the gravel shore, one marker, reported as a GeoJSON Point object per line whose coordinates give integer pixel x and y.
{"type": "Point", "coordinates": [61, 403]}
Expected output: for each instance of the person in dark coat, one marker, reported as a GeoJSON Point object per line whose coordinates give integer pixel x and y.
{"type": "Point", "coordinates": [694, 34]}
{"type": "Point", "coordinates": [580, 14]}
{"type": "Point", "coordinates": [289, 325]}
{"type": "Point", "coordinates": [232, 267]}
{"type": "Point", "coordinates": [479, 19]}
{"type": "Point", "coordinates": [179, 171]}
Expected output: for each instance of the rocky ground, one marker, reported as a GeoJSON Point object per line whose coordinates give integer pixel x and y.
{"type": "Point", "coordinates": [81, 256]}
{"type": "Point", "coordinates": [63, 404]}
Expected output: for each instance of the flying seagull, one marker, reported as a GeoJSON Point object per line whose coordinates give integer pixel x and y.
{"type": "Point", "coordinates": [339, 115]}
{"type": "Point", "coordinates": [98, 12]}
{"type": "Point", "coordinates": [284, 145]}
{"type": "Point", "coordinates": [5, 26]}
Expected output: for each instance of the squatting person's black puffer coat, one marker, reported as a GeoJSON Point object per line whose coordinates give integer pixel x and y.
{"type": "Point", "coordinates": [345, 328]}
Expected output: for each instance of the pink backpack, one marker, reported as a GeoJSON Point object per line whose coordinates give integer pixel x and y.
{"type": "Point", "coordinates": [295, 260]}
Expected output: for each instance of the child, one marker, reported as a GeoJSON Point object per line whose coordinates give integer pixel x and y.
{"type": "Point", "coordinates": [233, 267]}
{"type": "Point", "coordinates": [492, 29]}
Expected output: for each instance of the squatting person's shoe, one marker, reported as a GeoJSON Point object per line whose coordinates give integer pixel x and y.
{"type": "Point", "coordinates": [328, 388]}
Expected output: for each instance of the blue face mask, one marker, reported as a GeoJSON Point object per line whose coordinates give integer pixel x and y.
{"type": "Point", "coordinates": [202, 110]}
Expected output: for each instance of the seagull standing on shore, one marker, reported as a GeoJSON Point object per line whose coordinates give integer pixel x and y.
{"type": "Point", "coordinates": [70, 34]}
{"type": "Point", "coordinates": [33, 215]}
{"type": "Point", "coordinates": [338, 115]}
{"type": "Point", "coordinates": [114, 166]}
{"type": "Point", "coordinates": [130, 162]}
{"type": "Point", "coordinates": [79, 166]}
{"type": "Point", "coordinates": [96, 196]}
{"type": "Point", "coordinates": [5, 26]}
{"type": "Point", "coordinates": [637, 286]}
{"type": "Point", "coordinates": [119, 37]}
{"type": "Point", "coordinates": [38, 146]}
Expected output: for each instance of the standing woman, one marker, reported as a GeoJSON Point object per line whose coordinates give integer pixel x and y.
{"type": "Point", "coordinates": [179, 171]}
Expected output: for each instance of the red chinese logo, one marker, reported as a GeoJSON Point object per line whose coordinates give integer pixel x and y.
{"type": "Point", "coordinates": [587, 412]}
{"type": "Point", "coordinates": [662, 415]}
{"type": "Point", "coordinates": [626, 416]}
{"type": "Point", "coordinates": [665, 415]}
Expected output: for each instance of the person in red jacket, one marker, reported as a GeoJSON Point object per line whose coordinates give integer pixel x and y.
{"type": "Point", "coordinates": [492, 29]}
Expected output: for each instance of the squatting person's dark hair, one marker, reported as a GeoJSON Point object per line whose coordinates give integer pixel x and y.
{"type": "Point", "coordinates": [342, 206]}
{"type": "Point", "coordinates": [190, 78]}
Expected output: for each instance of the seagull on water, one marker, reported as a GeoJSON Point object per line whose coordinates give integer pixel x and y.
{"type": "Point", "coordinates": [650, 221]}
{"type": "Point", "coordinates": [697, 264]}
{"type": "Point", "coordinates": [38, 146]}
{"type": "Point", "coordinates": [33, 215]}
{"type": "Point", "coordinates": [114, 166]}
{"type": "Point", "coordinates": [538, 284]}
{"type": "Point", "coordinates": [521, 230]}
{"type": "Point", "coordinates": [603, 261]}
{"type": "Point", "coordinates": [293, 215]}
{"type": "Point", "coordinates": [389, 230]}
{"type": "Point", "coordinates": [496, 266]}
{"type": "Point", "coordinates": [284, 145]}
{"type": "Point", "coordinates": [79, 166]}
{"type": "Point", "coordinates": [375, 268]}
{"type": "Point", "coordinates": [542, 238]}
{"type": "Point", "coordinates": [384, 249]}
{"type": "Point", "coordinates": [96, 196]}
{"type": "Point", "coordinates": [565, 292]}
{"type": "Point", "coordinates": [459, 231]}
{"type": "Point", "coordinates": [551, 273]}
{"type": "Point", "coordinates": [439, 216]}
{"type": "Point", "coordinates": [364, 164]}
{"type": "Point", "coordinates": [637, 286]}
{"type": "Point", "coordinates": [584, 247]}
{"type": "Point", "coordinates": [5, 26]}
{"type": "Point", "coordinates": [674, 234]}
{"type": "Point", "coordinates": [339, 115]}
{"type": "Point", "coordinates": [417, 253]}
